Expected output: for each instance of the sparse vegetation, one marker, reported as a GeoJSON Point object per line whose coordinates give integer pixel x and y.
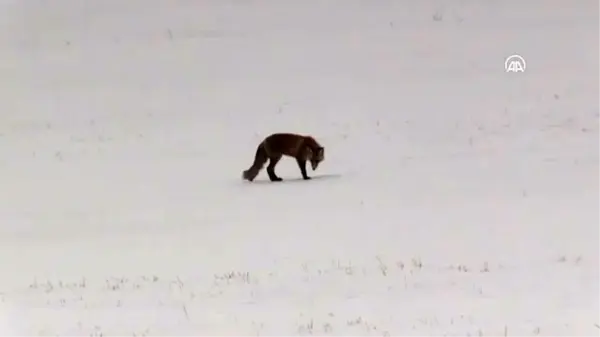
{"type": "Point", "coordinates": [172, 292]}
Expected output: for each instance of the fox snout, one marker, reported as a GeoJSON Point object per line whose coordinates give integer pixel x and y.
{"type": "Point", "coordinates": [314, 164]}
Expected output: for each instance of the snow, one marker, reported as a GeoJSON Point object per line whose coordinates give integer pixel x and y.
{"type": "Point", "coordinates": [455, 198]}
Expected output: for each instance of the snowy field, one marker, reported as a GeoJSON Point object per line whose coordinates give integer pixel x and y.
{"type": "Point", "coordinates": [455, 198]}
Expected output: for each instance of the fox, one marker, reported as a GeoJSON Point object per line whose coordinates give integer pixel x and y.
{"type": "Point", "coordinates": [275, 146]}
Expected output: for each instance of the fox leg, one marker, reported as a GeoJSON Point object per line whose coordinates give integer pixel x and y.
{"type": "Point", "coordinates": [302, 166]}
{"type": "Point", "coordinates": [271, 168]}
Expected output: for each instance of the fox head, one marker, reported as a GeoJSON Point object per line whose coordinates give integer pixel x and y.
{"type": "Point", "coordinates": [316, 157]}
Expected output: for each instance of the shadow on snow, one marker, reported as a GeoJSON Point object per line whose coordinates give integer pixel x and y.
{"type": "Point", "coordinates": [296, 180]}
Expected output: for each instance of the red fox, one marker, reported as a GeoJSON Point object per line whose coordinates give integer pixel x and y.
{"type": "Point", "coordinates": [277, 145]}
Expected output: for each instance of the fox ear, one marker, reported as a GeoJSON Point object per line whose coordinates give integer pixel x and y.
{"type": "Point", "coordinates": [309, 152]}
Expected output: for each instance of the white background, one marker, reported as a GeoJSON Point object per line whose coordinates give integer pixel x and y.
{"type": "Point", "coordinates": [455, 198]}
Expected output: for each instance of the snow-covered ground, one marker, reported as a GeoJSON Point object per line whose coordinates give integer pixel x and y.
{"type": "Point", "coordinates": [455, 199]}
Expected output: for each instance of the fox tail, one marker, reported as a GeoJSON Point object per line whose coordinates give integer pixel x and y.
{"type": "Point", "coordinates": [260, 158]}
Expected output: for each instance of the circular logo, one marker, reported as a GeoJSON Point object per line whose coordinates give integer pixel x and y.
{"type": "Point", "coordinates": [515, 64]}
